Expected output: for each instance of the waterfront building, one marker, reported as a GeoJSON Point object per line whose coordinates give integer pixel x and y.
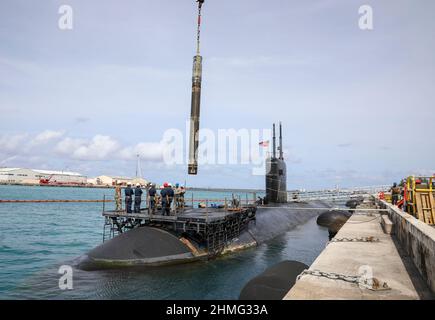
{"type": "Point", "coordinates": [35, 176]}
{"type": "Point", "coordinates": [112, 180]}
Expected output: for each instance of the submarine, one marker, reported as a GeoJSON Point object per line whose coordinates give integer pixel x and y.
{"type": "Point", "coordinates": [148, 239]}
{"type": "Point", "coordinates": [191, 234]}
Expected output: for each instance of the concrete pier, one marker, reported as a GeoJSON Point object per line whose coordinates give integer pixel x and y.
{"type": "Point", "coordinates": [416, 238]}
{"type": "Point", "coordinates": [385, 260]}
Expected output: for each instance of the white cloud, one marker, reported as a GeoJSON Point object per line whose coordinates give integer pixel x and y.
{"type": "Point", "coordinates": [51, 148]}
{"type": "Point", "coordinates": [47, 136]}
{"type": "Point", "coordinates": [98, 148]}
{"type": "Point", "coordinates": [13, 143]}
{"type": "Point", "coordinates": [102, 147]}
{"type": "Point", "coordinates": [146, 151]}
{"type": "Point", "coordinates": [24, 144]}
{"type": "Point", "coordinates": [68, 145]}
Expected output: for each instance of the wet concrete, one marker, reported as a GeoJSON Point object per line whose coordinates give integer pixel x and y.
{"type": "Point", "coordinates": [417, 239]}
{"type": "Point", "coordinates": [382, 259]}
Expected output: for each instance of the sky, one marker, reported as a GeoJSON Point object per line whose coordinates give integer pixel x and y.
{"type": "Point", "coordinates": [357, 106]}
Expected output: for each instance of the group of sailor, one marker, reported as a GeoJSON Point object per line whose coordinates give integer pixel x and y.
{"type": "Point", "coordinates": [167, 195]}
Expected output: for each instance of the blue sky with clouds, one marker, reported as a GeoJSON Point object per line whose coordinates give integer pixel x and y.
{"type": "Point", "coordinates": [357, 106]}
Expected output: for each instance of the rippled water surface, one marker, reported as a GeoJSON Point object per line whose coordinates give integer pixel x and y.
{"type": "Point", "coordinates": [35, 239]}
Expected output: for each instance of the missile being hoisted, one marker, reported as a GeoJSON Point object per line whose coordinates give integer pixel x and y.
{"type": "Point", "coordinates": [196, 101]}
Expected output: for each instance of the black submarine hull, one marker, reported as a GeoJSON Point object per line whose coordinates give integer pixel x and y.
{"type": "Point", "coordinates": [150, 246]}
{"type": "Point", "coordinates": [143, 246]}
{"type": "Point", "coordinates": [146, 246]}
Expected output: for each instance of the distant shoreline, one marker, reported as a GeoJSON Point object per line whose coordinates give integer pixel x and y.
{"type": "Point", "coordinates": [112, 187]}
{"type": "Point", "coordinates": [226, 190]}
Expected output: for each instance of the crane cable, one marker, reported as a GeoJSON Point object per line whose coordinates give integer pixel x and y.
{"type": "Point", "coordinates": [199, 27]}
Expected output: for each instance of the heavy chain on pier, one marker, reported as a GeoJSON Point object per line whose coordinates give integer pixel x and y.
{"type": "Point", "coordinates": [363, 239]}
{"type": "Point", "coordinates": [368, 283]}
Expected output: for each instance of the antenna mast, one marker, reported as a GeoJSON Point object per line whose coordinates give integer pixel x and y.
{"type": "Point", "coordinates": [281, 156]}
{"type": "Point", "coordinates": [274, 142]}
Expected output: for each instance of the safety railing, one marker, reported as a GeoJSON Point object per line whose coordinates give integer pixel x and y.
{"type": "Point", "coordinates": [334, 194]}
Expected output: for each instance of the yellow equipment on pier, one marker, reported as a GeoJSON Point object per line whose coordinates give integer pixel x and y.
{"type": "Point", "coordinates": [419, 196]}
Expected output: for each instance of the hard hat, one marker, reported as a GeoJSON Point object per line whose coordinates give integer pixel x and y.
{"type": "Point", "coordinates": [169, 184]}
{"type": "Point", "coordinates": [137, 184]}
{"type": "Point", "coordinates": [165, 184]}
{"type": "Point", "coordinates": [177, 184]}
{"type": "Point", "coordinates": [128, 183]}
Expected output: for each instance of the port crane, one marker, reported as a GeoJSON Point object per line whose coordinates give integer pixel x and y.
{"type": "Point", "coordinates": [46, 180]}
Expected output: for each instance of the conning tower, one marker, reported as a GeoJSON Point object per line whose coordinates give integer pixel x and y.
{"type": "Point", "coordinates": [276, 172]}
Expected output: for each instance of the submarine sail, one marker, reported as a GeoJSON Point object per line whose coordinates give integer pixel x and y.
{"type": "Point", "coordinates": [276, 173]}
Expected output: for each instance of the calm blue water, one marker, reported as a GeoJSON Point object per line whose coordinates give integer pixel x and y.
{"type": "Point", "coordinates": [36, 238]}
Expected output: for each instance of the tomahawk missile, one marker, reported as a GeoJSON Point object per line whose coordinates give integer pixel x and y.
{"type": "Point", "coordinates": [196, 101]}
{"type": "Point", "coordinates": [194, 115]}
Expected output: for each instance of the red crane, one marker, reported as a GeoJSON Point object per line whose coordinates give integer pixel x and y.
{"type": "Point", "coordinates": [45, 181]}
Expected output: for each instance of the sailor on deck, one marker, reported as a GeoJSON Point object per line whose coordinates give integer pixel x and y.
{"type": "Point", "coordinates": [152, 194]}
{"type": "Point", "coordinates": [128, 197]}
{"type": "Point", "coordinates": [164, 197]}
{"type": "Point", "coordinates": [137, 198]}
{"type": "Point", "coordinates": [179, 195]}
{"type": "Point", "coordinates": [171, 195]}
{"type": "Point", "coordinates": [118, 196]}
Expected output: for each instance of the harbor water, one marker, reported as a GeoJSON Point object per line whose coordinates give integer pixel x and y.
{"type": "Point", "coordinates": [37, 238]}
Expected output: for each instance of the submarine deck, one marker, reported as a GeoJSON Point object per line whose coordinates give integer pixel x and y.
{"type": "Point", "coordinates": [199, 215]}
{"type": "Point", "coordinates": [213, 226]}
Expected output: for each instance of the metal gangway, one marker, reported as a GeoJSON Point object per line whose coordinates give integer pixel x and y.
{"type": "Point", "coordinates": [335, 194]}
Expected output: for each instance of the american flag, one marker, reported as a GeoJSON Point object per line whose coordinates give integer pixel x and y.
{"type": "Point", "coordinates": [264, 143]}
